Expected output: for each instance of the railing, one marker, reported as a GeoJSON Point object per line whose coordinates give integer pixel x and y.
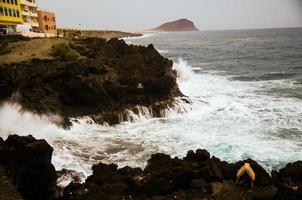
{"type": "Point", "coordinates": [32, 14]}
{"type": "Point", "coordinates": [27, 3]}
{"type": "Point", "coordinates": [34, 24]}
{"type": "Point", "coordinates": [24, 12]}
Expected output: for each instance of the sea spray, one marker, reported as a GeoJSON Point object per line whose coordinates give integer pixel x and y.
{"type": "Point", "coordinates": [183, 69]}
{"type": "Point", "coordinates": [15, 120]}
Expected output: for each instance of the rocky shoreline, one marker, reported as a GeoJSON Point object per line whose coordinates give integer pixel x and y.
{"type": "Point", "coordinates": [92, 77]}
{"type": "Point", "coordinates": [25, 164]}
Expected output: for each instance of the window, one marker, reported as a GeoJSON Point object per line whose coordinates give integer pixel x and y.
{"type": "Point", "coordinates": [14, 13]}
{"type": "Point", "coordinates": [18, 14]}
{"type": "Point", "coordinates": [10, 12]}
{"type": "Point", "coordinates": [53, 19]}
{"type": "Point", "coordinates": [54, 27]}
{"type": "Point", "coordinates": [5, 12]}
{"type": "Point", "coordinates": [1, 11]}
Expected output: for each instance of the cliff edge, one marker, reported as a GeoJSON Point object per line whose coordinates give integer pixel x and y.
{"type": "Point", "coordinates": [92, 77]}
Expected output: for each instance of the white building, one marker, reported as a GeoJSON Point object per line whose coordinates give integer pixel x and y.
{"type": "Point", "coordinates": [30, 14]}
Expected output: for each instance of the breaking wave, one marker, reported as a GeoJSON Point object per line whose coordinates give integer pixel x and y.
{"type": "Point", "coordinates": [14, 120]}
{"type": "Point", "coordinates": [183, 69]}
{"type": "Point", "coordinates": [230, 118]}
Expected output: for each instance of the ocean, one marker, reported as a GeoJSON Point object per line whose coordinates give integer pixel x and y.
{"type": "Point", "coordinates": [246, 89]}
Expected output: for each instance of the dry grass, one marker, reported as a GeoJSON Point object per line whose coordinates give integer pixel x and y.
{"type": "Point", "coordinates": [27, 50]}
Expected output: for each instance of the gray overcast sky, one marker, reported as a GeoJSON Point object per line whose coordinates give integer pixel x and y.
{"type": "Point", "coordinates": [136, 15]}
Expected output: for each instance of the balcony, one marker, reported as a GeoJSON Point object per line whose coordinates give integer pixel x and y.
{"type": "Point", "coordinates": [33, 14]}
{"type": "Point", "coordinates": [34, 24]}
{"type": "Point", "coordinates": [27, 3]}
{"type": "Point", "coordinates": [25, 13]}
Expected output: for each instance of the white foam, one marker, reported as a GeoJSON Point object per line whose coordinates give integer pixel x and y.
{"type": "Point", "coordinates": [238, 120]}
{"type": "Point", "coordinates": [13, 120]}
{"type": "Point", "coordinates": [145, 35]}
{"type": "Point", "coordinates": [162, 51]}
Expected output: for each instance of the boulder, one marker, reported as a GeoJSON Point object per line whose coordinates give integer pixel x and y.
{"type": "Point", "coordinates": [195, 177]}
{"type": "Point", "coordinates": [200, 155]}
{"type": "Point", "coordinates": [262, 176]}
{"type": "Point", "coordinates": [27, 162]}
{"type": "Point", "coordinates": [289, 181]}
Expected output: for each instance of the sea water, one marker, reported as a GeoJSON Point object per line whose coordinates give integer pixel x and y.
{"type": "Point", "coordinates": [246, 89]}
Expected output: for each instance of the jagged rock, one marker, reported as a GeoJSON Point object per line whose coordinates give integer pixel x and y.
{"type": "Point", "coordinates": [27, 162]}
{"type": "Point", "coordinates": [195, 177]}
{"type": "Point", "coordinates": [66, 176]}
{"type": "Point", "coordinates": [163, 178]}
{"type": "Point", "coordinates": [262, 177]}
{"type": "Point", "coordinates": [200, 155]}
{"type": "Point", "coordinates": [107, 182]}
{"type": "Point", "coordinates": [27, 170]}
{"type": "Point", "coordinates": [7, 190]}
{"type": "Point", "coordinates": [102, 84]}
{"type": "Point", "coordinates": [289, 181]}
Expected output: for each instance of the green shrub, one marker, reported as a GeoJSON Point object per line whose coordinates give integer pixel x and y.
{"type": "Point", "coordinates": [64, 51]}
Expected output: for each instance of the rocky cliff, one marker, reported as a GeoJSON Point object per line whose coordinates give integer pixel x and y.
{"type": "Point", "coordinates": [178, 25]}
{"type": "Point", "coordinates": [94, 77]}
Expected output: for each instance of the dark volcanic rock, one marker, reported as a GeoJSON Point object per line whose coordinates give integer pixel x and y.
{"type": "Point", "coordinates": [7, 190]}
{"type": "Point", "coordinates": [109, 78]}
{"type": "Point", "coordinates": [262, 177]}
{"type": "Point", "coordinates": [25, 168]}
{"type": "Point", "coordinates": [289, 181]}
{"type": "Point", "coordinates": [195, 177]}
{"type": "Point", "coordinates": [162, 177]}
{"type": "Point", "coordinates": [27, 162]}
{"type": "Point", "coordinates": [178, 25]}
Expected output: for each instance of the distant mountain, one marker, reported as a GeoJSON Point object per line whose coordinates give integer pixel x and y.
{"type": "Point", "coordinates": [178, 25]}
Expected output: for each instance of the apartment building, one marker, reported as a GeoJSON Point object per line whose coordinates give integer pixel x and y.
{"type": "Point", "coordinates": [30, 13]}
{"type": "Point", "coordinates": [47, 22]}
{"type": "Point", "coordinates": [10, 12]}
